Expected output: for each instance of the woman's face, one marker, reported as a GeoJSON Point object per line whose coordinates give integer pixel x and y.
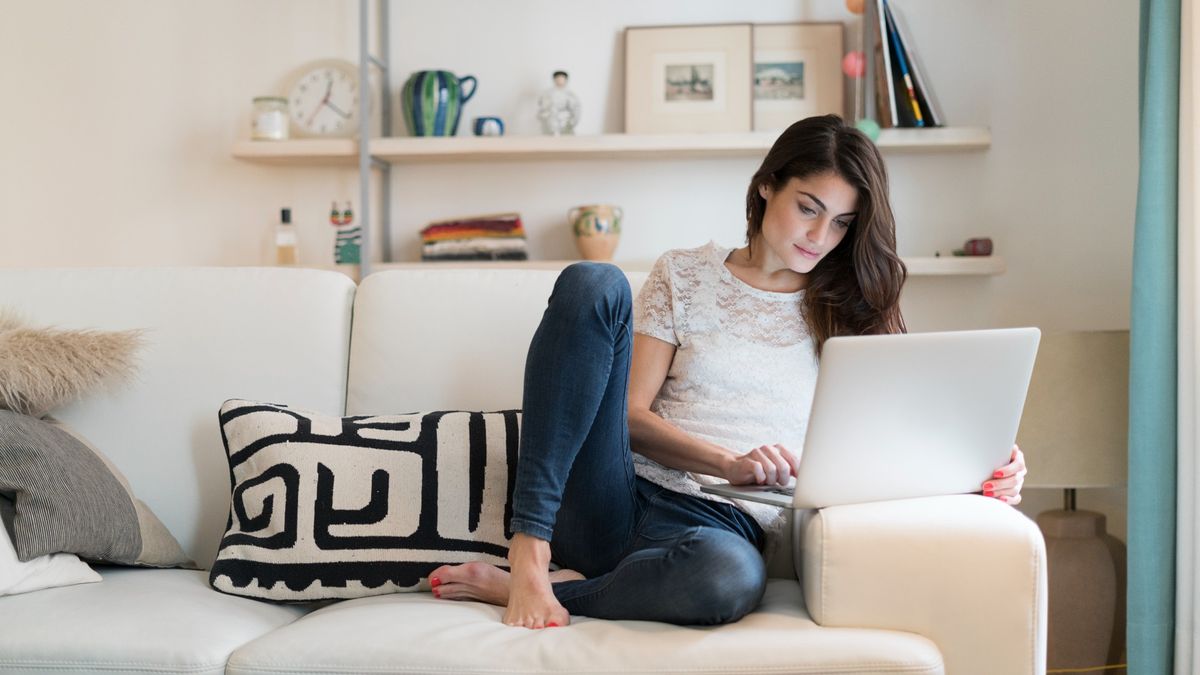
{"type": "Point", "coordinates": [806, 219]}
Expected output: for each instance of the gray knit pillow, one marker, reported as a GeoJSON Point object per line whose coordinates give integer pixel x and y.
{"type": "Point", "coordinates": [70, 499]}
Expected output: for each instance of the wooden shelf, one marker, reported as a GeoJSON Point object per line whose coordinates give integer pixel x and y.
{"type": "Point", "coordinates": [306, 151]}
{"type": "Point", "coordinates": [945, 266]}
{"type": "Point", "coordinates": [917, 267]}
{"type": "Point", "coordinates": [605, 146]}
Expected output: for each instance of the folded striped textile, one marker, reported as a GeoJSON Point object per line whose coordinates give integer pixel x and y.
{"type": "Point", "coordinates": [503, 224]}
{"type": "Point", "coordinates": [491, 237]}
{"type": "Point", "coordinates": [475, 249]}
{"type": "Point", "coordinates": [467, 233]}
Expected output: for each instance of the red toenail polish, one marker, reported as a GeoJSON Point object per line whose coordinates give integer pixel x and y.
{"type": "Point", "coordinates": [435, 582]}
{"type": "Point", "coordinates": [437, 593]}
{"type": "Point", "coordinates": [551, 625]}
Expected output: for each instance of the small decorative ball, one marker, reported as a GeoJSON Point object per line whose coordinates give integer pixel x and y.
{"type": "Point", "coordinates": [854, 65]}
{"type": "Point", "coordinates": [855, 6]}
{"type": "Point", "coordinates": [869, 127]}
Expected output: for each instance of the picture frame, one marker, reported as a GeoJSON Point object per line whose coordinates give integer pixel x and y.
{"type": "Point", "coordinates": [681, 79]}
{"type": "Point", "coordinates": [797, 72]}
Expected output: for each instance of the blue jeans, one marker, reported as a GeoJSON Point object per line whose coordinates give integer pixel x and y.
{"type": "Point", "coordinates": [648, 553]}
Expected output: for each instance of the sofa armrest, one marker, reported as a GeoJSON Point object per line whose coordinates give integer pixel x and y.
{"type": "Point", "coordinates": [965, 571]}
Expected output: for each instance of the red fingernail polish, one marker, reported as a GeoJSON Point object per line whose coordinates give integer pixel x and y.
{"type": "Point", "coordinates": [988, 486]}
{"type": "Point", "coordinates": [435, 582]}
{"type": "Point", "coordinates": [998, 474]}
{"type": "Point", "coordinates": [437, 593]}
{"type": "Point", "coordinates": [988, 493]}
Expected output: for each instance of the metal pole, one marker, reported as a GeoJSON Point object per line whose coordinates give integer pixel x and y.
{"type": "Point", "coordinates": [364, 138]}
{"type": "Point", "coordinates": [385, 89]}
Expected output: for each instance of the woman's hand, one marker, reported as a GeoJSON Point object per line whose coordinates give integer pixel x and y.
{"type": "Point", "coordinates": [1006, 482]}
{"type": "Point", "coordinates": [764, 465]}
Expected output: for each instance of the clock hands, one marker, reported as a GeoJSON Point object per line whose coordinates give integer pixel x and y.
{"type": "Point", "coordinates": [337, 110]}
{"type": "Point", "coordinates": [325, 102]}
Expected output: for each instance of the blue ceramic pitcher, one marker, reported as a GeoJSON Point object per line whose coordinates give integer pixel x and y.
{"type": "Point", "coordinates": [432, 101]}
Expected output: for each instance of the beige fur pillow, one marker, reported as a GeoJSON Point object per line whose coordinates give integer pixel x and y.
{"type": "Point", "coordinates": [43, 368]}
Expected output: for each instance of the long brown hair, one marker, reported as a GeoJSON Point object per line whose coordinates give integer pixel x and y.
{"type": "Point", "coordinates": [855, 289]}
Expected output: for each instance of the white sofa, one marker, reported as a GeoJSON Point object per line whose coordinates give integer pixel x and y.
{"type": "Point", "coordinates": [951, 584]}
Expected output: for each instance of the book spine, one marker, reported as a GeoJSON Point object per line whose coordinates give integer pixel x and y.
{"type": "Point", "coordinates": [910, 95]}
{"type": "Point", "coordinates": [887, 62]}
{"type": "Point", "coordinates": [925, 95]}
{"type": "Point", "coordinates": [867, 83]}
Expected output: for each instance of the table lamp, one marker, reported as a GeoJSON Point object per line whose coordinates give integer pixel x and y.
{"type": "Point", "coordinates": [1074, 433]}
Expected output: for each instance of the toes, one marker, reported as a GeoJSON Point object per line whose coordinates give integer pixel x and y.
{"type": "Point", "coordinates": [441, 575]}
{"type": "Point", "coordinates": [453, 592]}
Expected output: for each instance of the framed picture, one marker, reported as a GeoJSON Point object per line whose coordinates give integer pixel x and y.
{"type": "Point", "coordinates": [688, 78]}
{"type": "Point", "coordinates": [797, 73]}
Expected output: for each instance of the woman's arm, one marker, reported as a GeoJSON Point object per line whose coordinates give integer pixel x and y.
{"type": "Point", "coordinates": [657, 439]}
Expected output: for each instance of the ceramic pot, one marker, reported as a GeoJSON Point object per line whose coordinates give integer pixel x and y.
{"type": "Point", "coordinates": [432, 101]}
{"type": "Point", "coordinates": [597, 229]}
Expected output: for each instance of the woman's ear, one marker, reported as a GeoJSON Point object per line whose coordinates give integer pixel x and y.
{"type": "Point", "coordinates": [764, 190]}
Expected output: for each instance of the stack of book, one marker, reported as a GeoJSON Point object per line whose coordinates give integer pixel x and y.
{"type": "Point", "coordinates": [494, 237]}
{"type": "Point", "coordinates": [898, 93]}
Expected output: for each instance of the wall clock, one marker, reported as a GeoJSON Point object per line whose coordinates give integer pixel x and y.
{"type": "Point", "coordinates": [324, 99]}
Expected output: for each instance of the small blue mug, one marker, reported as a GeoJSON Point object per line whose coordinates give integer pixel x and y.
{"type": "Point", "coordinates": [489, 126]}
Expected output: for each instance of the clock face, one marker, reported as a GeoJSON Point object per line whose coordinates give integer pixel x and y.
{"type": "Point", "coordinates": [324, 101]}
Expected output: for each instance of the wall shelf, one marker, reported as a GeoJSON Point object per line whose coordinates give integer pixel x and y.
{"type": "Point", "coordinates": [917, 267]}
{"type": "Point", "coordinates": [603, 146]}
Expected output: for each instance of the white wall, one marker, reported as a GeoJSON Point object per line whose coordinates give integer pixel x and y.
{"type": "Point", "coordinates": [117, 119]}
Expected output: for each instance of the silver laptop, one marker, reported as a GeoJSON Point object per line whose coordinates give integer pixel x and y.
{"type": "Point", "coordinates": [914, 415]}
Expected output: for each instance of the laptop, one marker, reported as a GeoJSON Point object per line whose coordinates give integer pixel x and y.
{"type": "Point", "coordinates": [909, 415]}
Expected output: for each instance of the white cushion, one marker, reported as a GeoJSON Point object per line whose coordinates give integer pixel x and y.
{"type": "Point", "coordinates": [966, 571]}
{"type": "Point", "coordinates": [47, 571]}
{"type": "Point", "coordinates": [135, 620]}
{"type": "Point", "coordinates": [270, 334]}
{"type": "Point", "coordinates": [415, 633]}
{"type": "Point", "coordinates": [449, 339]}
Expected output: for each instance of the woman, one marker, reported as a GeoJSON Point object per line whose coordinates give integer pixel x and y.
{"type": "Point", "coordinates": [712, 381]}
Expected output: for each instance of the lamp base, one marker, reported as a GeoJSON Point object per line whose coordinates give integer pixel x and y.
{"type": "Point", "coordinates": [1082, 588]}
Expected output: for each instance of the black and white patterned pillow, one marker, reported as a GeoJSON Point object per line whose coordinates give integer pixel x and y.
{"type": "Point", "coordinates": [329, 507]}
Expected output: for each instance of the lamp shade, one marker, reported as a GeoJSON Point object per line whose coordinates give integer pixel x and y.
{"type": "Point", "coordinates": [1074, 428]}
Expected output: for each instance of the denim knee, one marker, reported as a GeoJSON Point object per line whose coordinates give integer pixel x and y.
{"type": "Point", "coordinates": [587, 283]}
{"type": "Point", "coordinates": [734, 577]}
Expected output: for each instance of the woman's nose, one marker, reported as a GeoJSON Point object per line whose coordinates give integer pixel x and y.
{"type": "Point", "coordinates": [818, 232]}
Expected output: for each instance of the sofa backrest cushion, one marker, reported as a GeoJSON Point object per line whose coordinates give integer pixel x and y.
{"type": "Point", "coordinates": [449, 339]}
{"type": "Point", "coordinates": [211, 334]}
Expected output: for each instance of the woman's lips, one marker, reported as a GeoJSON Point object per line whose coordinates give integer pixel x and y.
{"type": "Point", "coordinates": [807, 253]}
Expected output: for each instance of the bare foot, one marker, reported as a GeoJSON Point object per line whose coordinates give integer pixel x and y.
{"type": "Point", "coordinates": [525, 593]}
{"type": "Point", "coordinates": [531, 602]}
{"type": "Point", "coordinates": [482, 582]}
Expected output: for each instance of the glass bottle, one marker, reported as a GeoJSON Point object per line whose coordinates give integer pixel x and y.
{"type": "Point", "coordinates": [285, 239]}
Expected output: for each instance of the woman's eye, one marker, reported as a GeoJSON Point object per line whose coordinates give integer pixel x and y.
{"type": "Point", "coordinates": [842, 223]}
{"type": "Point", "coordinates": [807, 211]}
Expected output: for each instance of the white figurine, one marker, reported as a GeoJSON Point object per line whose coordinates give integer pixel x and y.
{"type": "Point", "coordinates": [558, 107]}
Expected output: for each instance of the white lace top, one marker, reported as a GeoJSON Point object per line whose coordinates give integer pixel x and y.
{"type": "Point", "coordinates": [744, 370]}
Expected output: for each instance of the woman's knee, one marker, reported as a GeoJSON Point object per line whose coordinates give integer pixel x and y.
{"type": "Point", "coordinates": [595, 281]}
{"type": "Point", "coordinates": [729, 576]}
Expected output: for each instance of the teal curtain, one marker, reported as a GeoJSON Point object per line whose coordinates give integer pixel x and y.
{"type": "Point", "coordinates": [1153, 349]}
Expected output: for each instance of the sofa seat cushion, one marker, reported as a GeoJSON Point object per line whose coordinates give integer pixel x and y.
{"type": "Point", "coordinates": [415, 633]}
{"type": "Point", "coordinates": [135, 620]}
